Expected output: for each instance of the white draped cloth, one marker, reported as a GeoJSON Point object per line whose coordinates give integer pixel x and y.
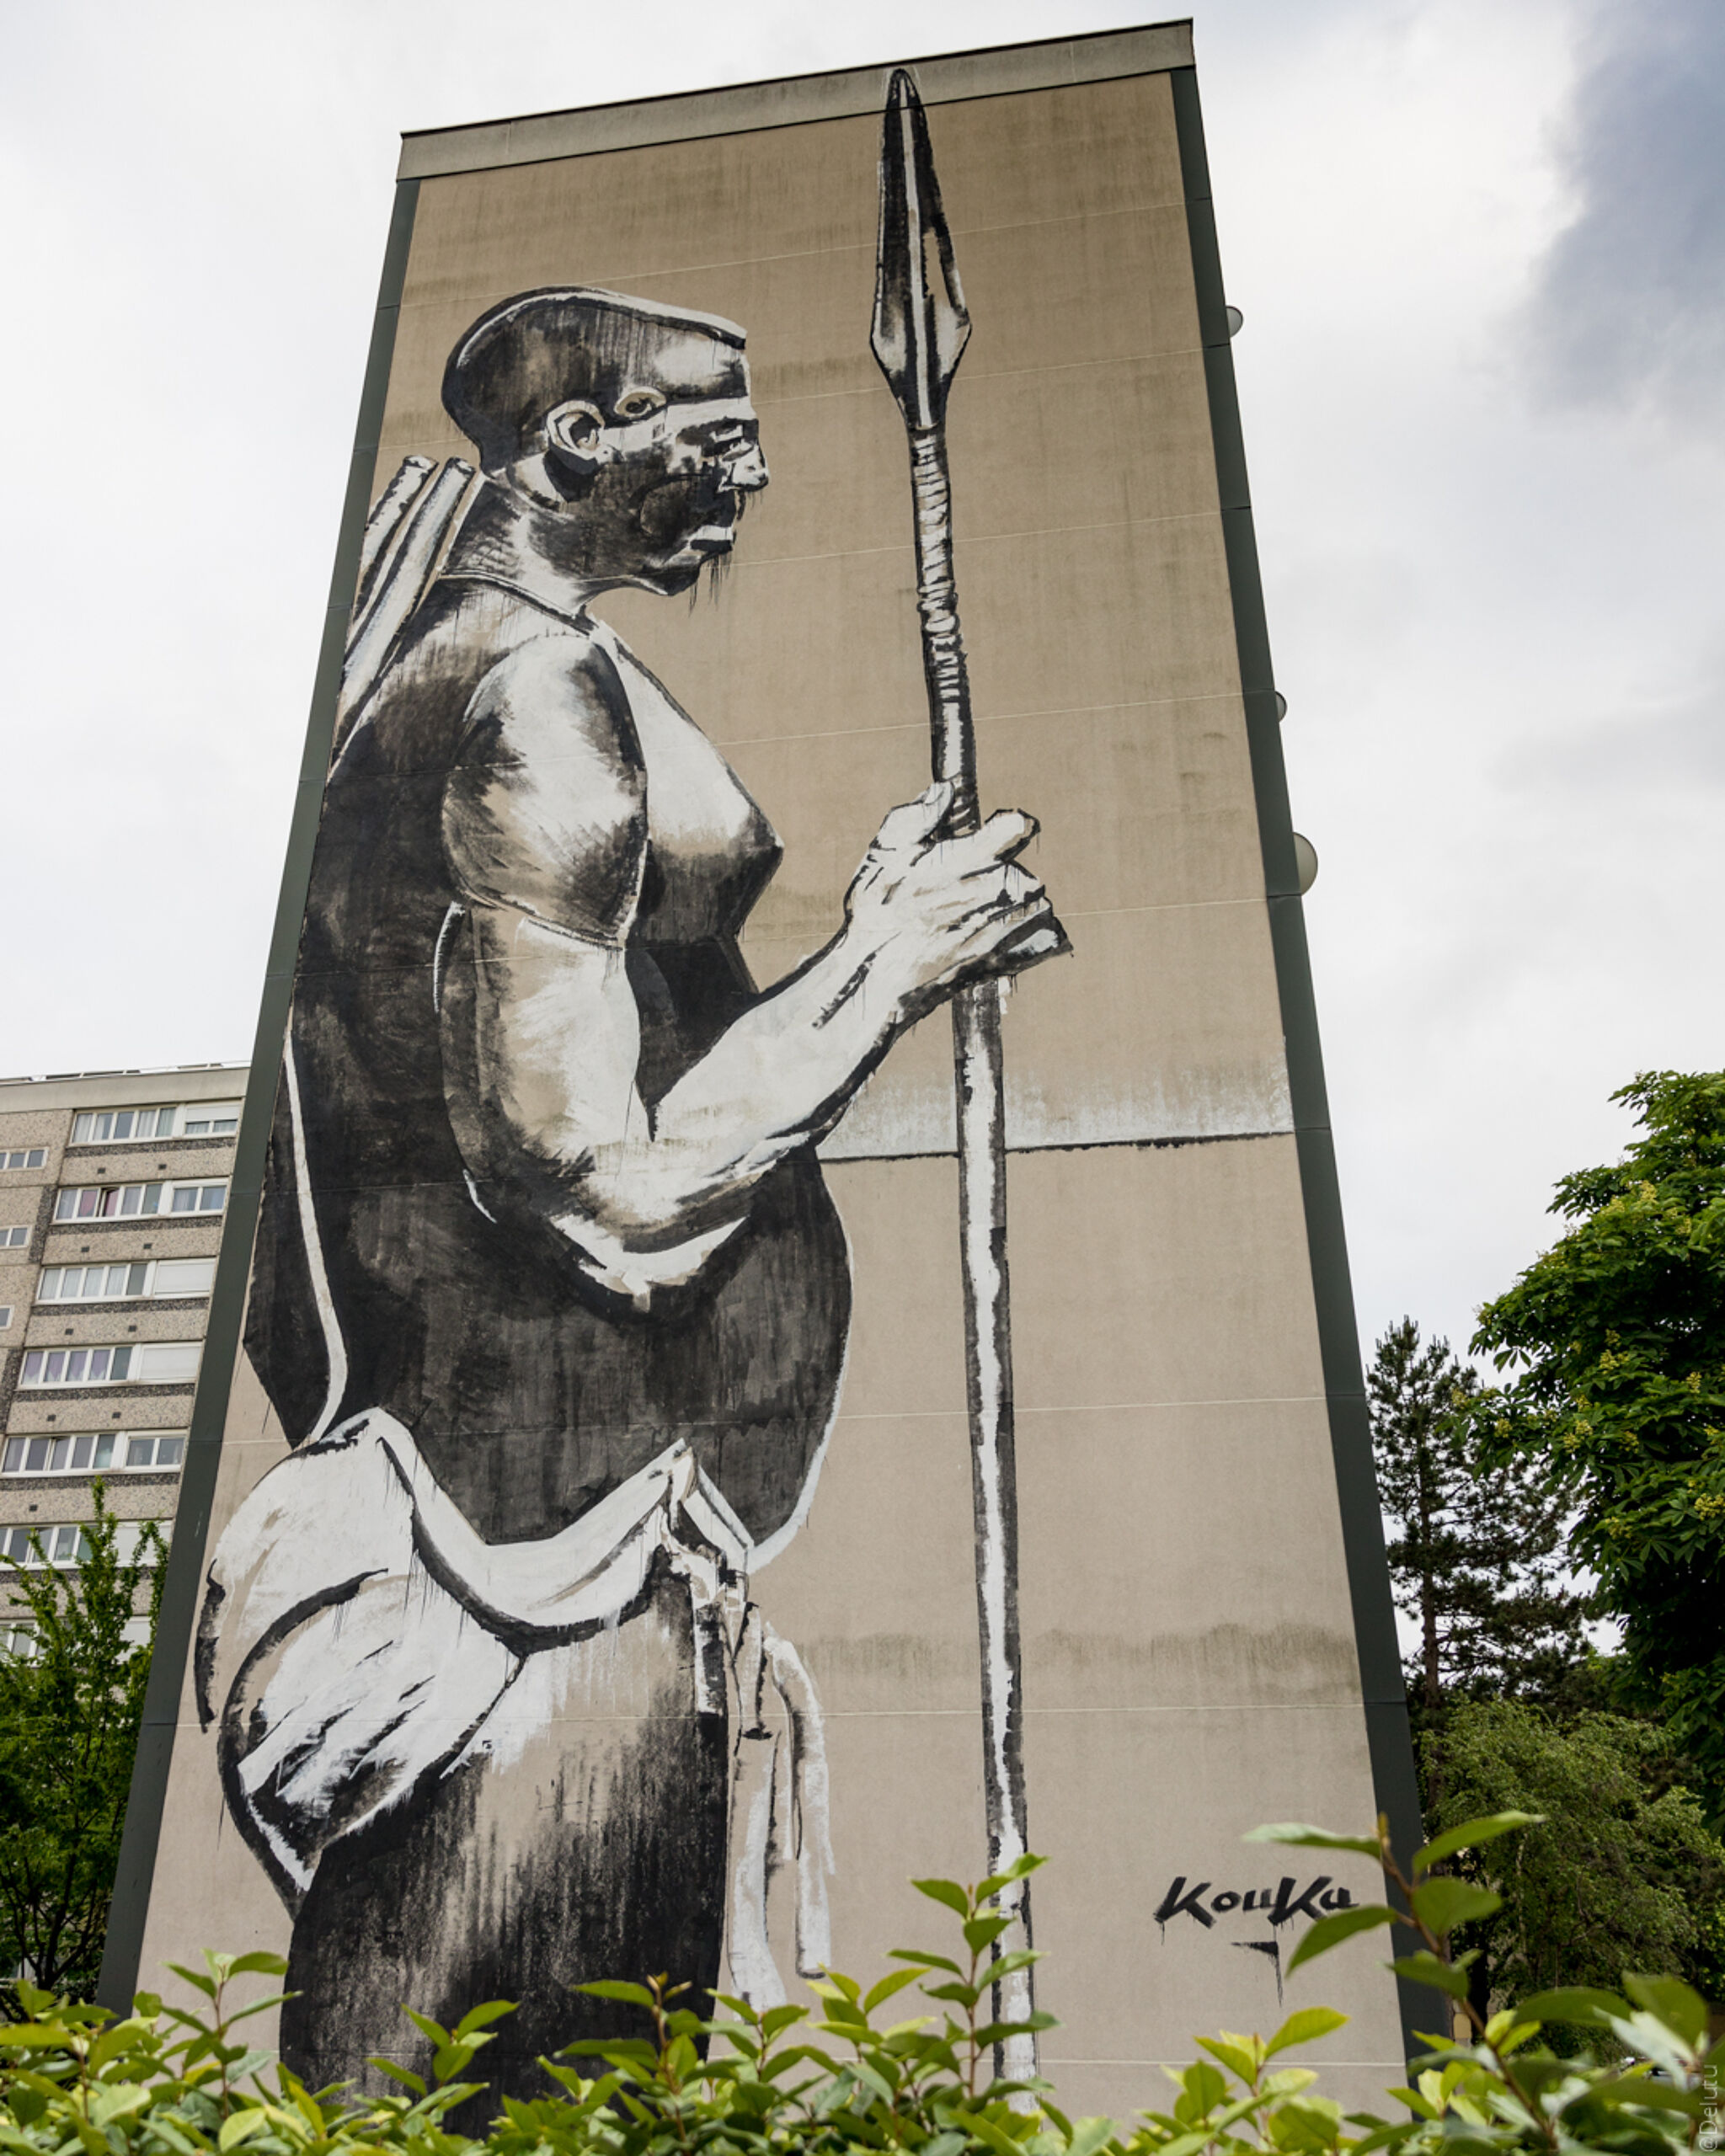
{"type": "Point", "coordinates": [358, 1640]}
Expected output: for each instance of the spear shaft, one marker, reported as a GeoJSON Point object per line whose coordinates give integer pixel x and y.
{"type": "Point", "coordinates": [920, 328]}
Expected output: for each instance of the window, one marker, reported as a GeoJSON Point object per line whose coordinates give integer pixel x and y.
{"type": "Point", "coordinates": [210, 1119]}
{"type": "Point", "coordinates": [95, 1453]}
{"type": "Point", "coordinates": [121, 1126]}
{"type": "Point", "coordinates": [14, 1238]}
{"type": "Point", "coordinates": [133, 1126]}
{"type": "Point", "coordinates": [163, 1362]}
{"type": "Point", "coordinates": [35, 1157]}
{"type": "Point", "coordinates": [65, 1545]}
{"type": "Point", "coordinates": [108, 1283]}
{"type": "Point", "coordinates": [18, 1642]}
{"type": "Point", "coordinates": [75, 1366]}
{"type": "Point", "coordinates": [69, 1543]}
{"type": "Point", "coordinates": [125, 1201]}
{"type": "Point", "coordinates": [5, 1317]}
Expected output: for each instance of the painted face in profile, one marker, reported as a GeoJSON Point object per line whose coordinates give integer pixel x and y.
{"type": "Point", "coordinates": [656, 477]}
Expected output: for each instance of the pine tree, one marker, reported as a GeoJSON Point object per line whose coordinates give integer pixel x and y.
{"type": "Point", "coordinates": [1478, 1554]}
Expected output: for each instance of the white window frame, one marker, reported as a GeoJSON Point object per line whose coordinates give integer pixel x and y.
{"type": "Point", "coordinates": [18, 1642]}
{"type": "Point", "coordinates": [78, 1452]}
{"type": "Point", "coordinates": [50, 1369]}
{"type": "Point", "coordinates": [86, 1122]}
{"type": "Point", "coordinates": [14, 1238]}
{"type": "Point", "coordinates": [151, 1201]}
{"type": "Point", "coordinates": [62, 1554]}
{"type": "Point", "coordinates": [6, 1309]}
{"type": "Point", "coordinates": [24, 1157]}
{"type": "Point", "coordinates": [147, 1272]}
{"type": "Point", "coordinates": [14, 1543]}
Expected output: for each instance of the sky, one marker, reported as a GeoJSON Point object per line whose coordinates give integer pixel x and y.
{"type": "Point", "coordinates": [1479, 246]}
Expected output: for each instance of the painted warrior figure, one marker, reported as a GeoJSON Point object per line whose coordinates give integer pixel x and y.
{"type": "Point", "coordinates": [550, 1298]}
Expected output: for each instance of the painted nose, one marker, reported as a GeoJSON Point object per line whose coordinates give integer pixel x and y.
{"type": "Point", "coordinates": [746, 469]}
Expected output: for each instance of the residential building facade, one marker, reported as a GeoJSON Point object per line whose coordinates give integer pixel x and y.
{"type": "Point", "coordinates": [112, 1190]}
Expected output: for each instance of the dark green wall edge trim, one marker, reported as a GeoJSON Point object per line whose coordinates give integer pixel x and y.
{"type": "Point", "coordinates": [181, 1589]}
{"type": "Point", "coordinates": [1396, 1790]}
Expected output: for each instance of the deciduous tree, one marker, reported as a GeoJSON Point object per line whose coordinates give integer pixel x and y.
{"type": "Point", "coordinates": [1623, 1872]}
{"type": "Point", "coordinates": [70, 1714]}
{"type": "Point", "coordinates": [1614, 1342]}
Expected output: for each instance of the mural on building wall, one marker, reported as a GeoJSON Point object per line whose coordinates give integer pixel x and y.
{"type": "Point", "coordinates": [549, 1295]}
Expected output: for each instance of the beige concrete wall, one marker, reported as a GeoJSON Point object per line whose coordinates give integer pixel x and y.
{"type": "Point", "coordinates": [1190, 1667]}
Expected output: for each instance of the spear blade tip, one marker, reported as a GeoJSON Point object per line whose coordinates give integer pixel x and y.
{"type": "Point", "coordinates": [920, 325]}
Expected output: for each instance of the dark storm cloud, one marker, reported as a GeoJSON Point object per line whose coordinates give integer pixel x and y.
{"type": "Point", "coordinates": [1629, 302]}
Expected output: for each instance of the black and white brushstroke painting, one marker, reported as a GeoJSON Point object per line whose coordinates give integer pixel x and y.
{"type": "Point", "coordinates": [549, 1295]}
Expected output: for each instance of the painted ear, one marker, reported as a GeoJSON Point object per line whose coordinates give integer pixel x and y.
{"type": "Point", "coordinates": [572, 437]}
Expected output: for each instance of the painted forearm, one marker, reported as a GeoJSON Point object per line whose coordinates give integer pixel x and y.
{"type": "Point", "coordinates": [541, 1043]}
{"type": "Point", "coordinates": [779, 1077]}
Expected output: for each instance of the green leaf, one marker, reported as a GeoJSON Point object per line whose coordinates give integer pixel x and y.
{"type": "Point", "coordinates": [258, 1964]}
{"type": "Point", "coordinates": [1086, 2137]}
{"type": "Point", "coordinates": [1304, 2027]}
{"type": "Point", "coordinates": [983, 1931]}
{"type": "Point", "coordinates": [1204, 2089]}
{"type": "Point", "coordinates": [1330, 1931]}
{"type": "Point", "coordinates": [996, 2032]}
{"type": "Point", "coordinates": [1020, 1868]}
{"type": "Point", "coordinates": [1235, 2057]}
{"type": "Point", "coordinates": [625, 1994]}
{"type": "Point", "coordinates": [947, 1891]}
{"type": "Point", "coordinates": [1442, 1903]}
{"type": "Point", "coordinates": [878, 1994]}
{"type": "Point", "coordinates": [259, 2006]}
{"type": "Point", "coordinates": [1654, 2095]}
{"type": "Point", "coordinates": [1671, 2001]}
{"type": "Point", "coordinates": [924, 1961]}
{"type": "Point", "coordinates": [1424, 1968]}
{"type": "Point", "coordinates": [944, 2144]}
{"type": "Point", "coordinates": [1294, 1836]}
{"type": "Point", "coordinates": [427, 2027]}
{"type": "Point", "coordinates": [965, 1995]}
{"type": "Point", "coordinates": [615, 2050]}
{"type": "Point", "coordinates": [1572, 2003]}
{"type": "Point", "coordinates": [985, 2130]}
{"type": "Point", "coordinates": [481, 2017]}
{"type": "Point", "coordinates": [407, 2079]}
{"type": "Point", "coordinates": [1472, 1834]}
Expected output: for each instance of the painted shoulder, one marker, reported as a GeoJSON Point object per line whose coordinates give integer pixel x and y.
{"type": "Point", "coordinates": [545, 810]}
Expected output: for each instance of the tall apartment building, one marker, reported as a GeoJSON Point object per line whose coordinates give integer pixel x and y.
{"type": "Point", "coordinates": [112, 1190]}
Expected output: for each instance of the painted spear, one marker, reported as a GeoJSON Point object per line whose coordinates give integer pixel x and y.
{"type": "Point", "coordinates": [921, 329]}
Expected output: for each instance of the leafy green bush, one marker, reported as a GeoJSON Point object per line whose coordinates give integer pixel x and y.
{"type": "Point", "coordinates": [833, 2080]}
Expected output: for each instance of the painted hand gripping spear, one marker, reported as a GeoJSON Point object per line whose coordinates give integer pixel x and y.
{"type": "Point", "coordinates": [920, 328]}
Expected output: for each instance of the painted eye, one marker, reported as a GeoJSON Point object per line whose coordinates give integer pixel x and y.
{"type": "Point", "coordinates": [638, 404]}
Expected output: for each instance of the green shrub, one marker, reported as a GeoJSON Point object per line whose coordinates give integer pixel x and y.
{"type": "Point", "coordinates": [837, 2079]}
